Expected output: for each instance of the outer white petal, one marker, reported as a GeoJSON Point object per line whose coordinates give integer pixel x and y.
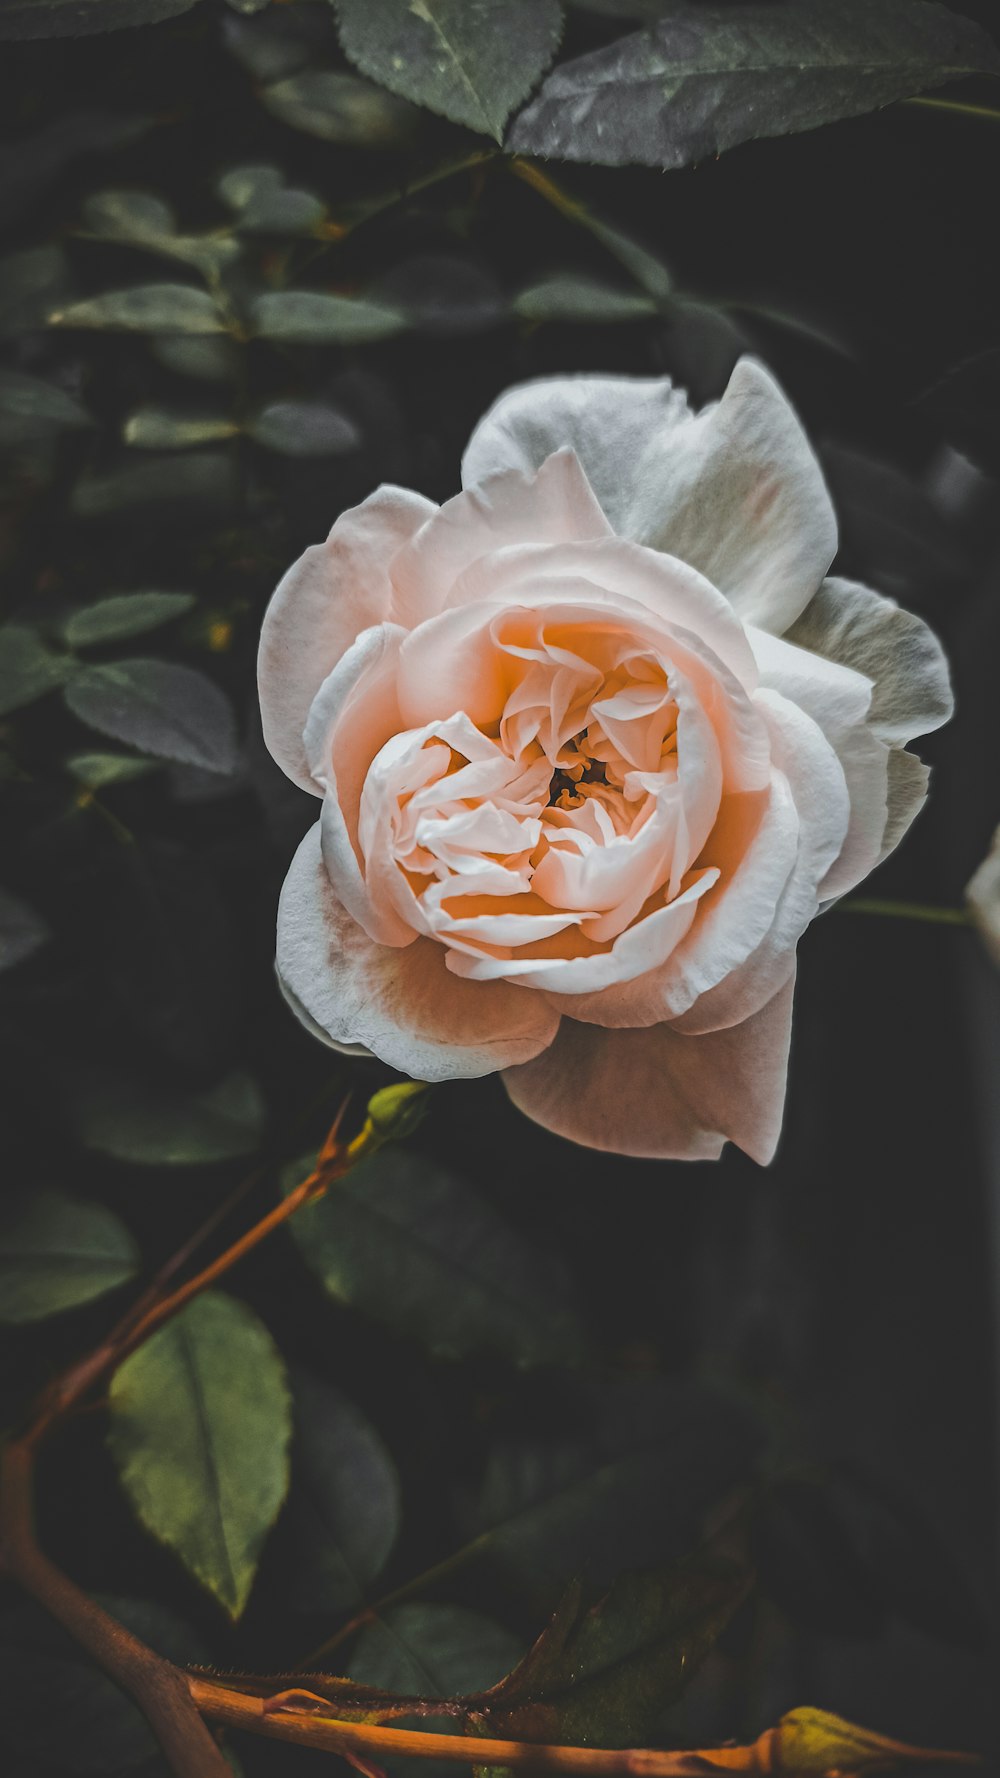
{"type": "Point", "coordinates": [403, 1005]}
{"type": "Point", "coordinates": [906, 795]}
{"type": "Point", "coordinates": [982, 892]}
{"type": "Point", "coordinates": [662, 1095]}
{"type": "Point", "coordinates": [735, 490]}
{"type": "Point", "coordinates": [850, 624]}
{"type": "Point", "coordinates": [334, 591]}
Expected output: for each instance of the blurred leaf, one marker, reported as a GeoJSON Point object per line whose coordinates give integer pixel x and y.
{"type": "Point", "coordinates": [264, 204]}
{"type": "Point", "coordinates": [145, 308]}
{"type": "Point", "coordinates": [341, 108]}
{"type": "Point", "coordinates": [31, 163]}
{"type": "Point", "coordinates": [205, 356]}
{"type": "Point", "coordinates": [81, 18]}
{"type": "Point", "coordinates": [159, 707]}
{"type": "Point", "coordinates": [98, 770]}
{"type": "Point", "coordinates": [141, 219]}
{"type": "Point", "coordinates": [577, 296]}
{"type": "Point", "coordinates": [343, 1512]}
{"type": "Point", "coordinates": [600, 1675]}
{"type": "Point", "coordinates": [57, 1252]}
{"type": "Point", "coordinates": [30, 283]}
{"type": "Point", "coordinates": [57, 1706]}
{"type": "Point", "coordinates": [28, 667]}
{"type": "Point", "coordinates": [124, 614]}
{"type": "Point", "coordinates": [443, 294]}
{"type": "Point", "coordinates": [473, 64]}
{"type": "Point", "coordinates": [271, 47]}
{"type": "Point", "coordinates": [157, 429]}
{"type": "Point", "coordinates": [304, 429]}
{"type": "Point", "coordinates": [809, 1563]}
{"type": "Point", "coordinates": [195, 477]}
{"type": "Point", "coordinates": [965, 403]}
{"type": "Point", "coordinates": [314, 318]}
{"type": "Point", "coordinates": [710, 76]}
{"type": "Point", "coordinates": [29, 406]}
{"type": "Point", "coordinates": [432, 1651]}
{"type": "Point", "coordinates": [22, 931]}
{"type": "Point", "coordinates": [420, 1250]}
{"type": "Point", "coordinates": [200, 1425]}
{"type": "Point", "coordinates": [152, 1125]}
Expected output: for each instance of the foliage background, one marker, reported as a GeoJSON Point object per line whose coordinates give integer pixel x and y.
{"type": "Point", "coordinates": [820, 1332]}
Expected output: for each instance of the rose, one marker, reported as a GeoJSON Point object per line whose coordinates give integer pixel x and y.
{"type": "Point", "coordinates": [594, 741]}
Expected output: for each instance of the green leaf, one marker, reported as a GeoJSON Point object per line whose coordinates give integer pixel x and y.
{"type": "Point", "coordinates": [141, 219]}
{"type": "Point", "coordinates": [305, 429]}
{"type": "Point", "coordinates": [28, 667]}
{"type": "Point", "coordinates": [265, 205]}
{"type": "Point", "coordinates": [340, 108]}
{"type": "Point", "coordinates": [432, 1651]}
{"type": "Point", "coordinates": [21, 19]}
{"type": "Point", "coordinates": [470, 60]}
{"type": "Point", "coordinates": [169, 711]}
{"type": "Point", "coordinates": [577, 296]}
{"type": "Point", "coordinates": [343, 1512]}
{"type": "Point", "coordinates": [125, 614]}
{"type": "Point", "coordinates": [200, 1424]}
{"type": "Point", "coordinates": [311, 317]}
{"type": "Point", "coordinates": [98, 770]}
{"type": "Point", "coordinates": [145, 308]}
{"type": "Point", "coordinates": [30, 283]}
{"type": "Point", "coordinates": [710, 76]}
{"type": "Point", "coordinates": [134, 1121]}
{"type": "Point", "coordinates": [57, 1252]}
{"type": "Point", "coordinates": [195, 478]}
{"type": "Point", "coordinates": [22, 931]}
{"type": "Point", "coordinates": [206, 356]}
{"type": "Point", "coordinates": [419, 1249]}
{"type": "Point", "coordinates": [158, 429]}
{"type": "Point", "coordinates": [600, 1675]}
{"type": "Point", "coordinates": [38, 406]}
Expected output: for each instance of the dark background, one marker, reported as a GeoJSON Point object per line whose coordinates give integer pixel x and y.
{"type": "Point", "coordinates": [843, 1299]}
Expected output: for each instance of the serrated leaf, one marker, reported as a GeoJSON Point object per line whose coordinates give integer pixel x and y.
{"type": "Point", "coordinates": [264, 204]}
{"type": "Point", "coordinates": [340, 108]}
{"type": "Point", "coordinates": [38, 404]}
{"type": "Point", "coordinates": [22, 930]}
{"type": "Point", "coordinates": [189, 479]}
{"type": "Point", "coordinates": [577, 296]}
{"type": "Point", "coordinates": [200, 1425]}
{"type": "Point", "coordinates": [57, 1252]}
{"type": "Point", "coordinates": [160, 429]}
{"type": "Point", "coordinates": [98, 770]}
{"type": "Point", "coordinates": [124, 614]}
{"type": "Point", "coordinates": [145, 308]}
{"type": "Point", "coordinates": [709, 76]}
{"type": "Point", "coordinates": [170, 711]}
{"type": "Point", "coordinates": [344, 1507]}
{"type": "Point", "coordinates": [311, 317]}
{"type": "Point", "coordinates": [304, 429]}
{"type": "Point", "coordinates": [417, 1248]}
{"type": "Point", "coordinates": [22, 19]}
{"type": "Point", "coordinates": [432, 1651]}
{"type": "Point", "coordinates": [28, 667]}
{"type": "Point", "coordinates": [134, 1121]}
{"type": "Point", "coordinates": [472, 61]}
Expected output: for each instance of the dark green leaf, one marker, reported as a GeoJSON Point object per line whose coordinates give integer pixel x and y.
{"type": "Point", "coordinates": [98, 770]}
{"type": "Point", "coordinates": [710, 76]}
{"type": "Point", "coordinates": [432, 1651]}
{"type": "Point", "coordinates": [28, 667]}
{"type": "Point", "coordinates": [206, 356]}
{"type": "Point", "coordinates": [343, 1508]}
{"type": "Point", "coordinates": [340, 108]}
{"type": "Point", "coordinates": [443, 294]}
{"type": "Point", "coordinates": [31, 283]}
{"type": "Point", "coordinates": [36, 405]}
{"type": "Point", "coordinates": [125, 614]}
{"type": "Point", "coordinates": [195, 478]}
{"type": "Point", "coordinates": [311, 317]}
{"type": "Point", "coordinates": [200, 1424]}
{"type": "Point", "coordinates": [265, 205]}
{"type": "Point", "coordinates": [56, 1252]}
{"type": "Point", "coordinates": [304, 429]}
{"type": "Point", "coordinates": [419, 1249]}
{"type": "Point", "coordinates": [149, 1124]}
{"type": "Point", "coordinates": [30, 164]}
{"type": "Point", "coordinates": [22, 931]}
{"type": "Point", "coordinates": [169, 711]}
{"type": "Point", "coordinates": [81, 18]}
{"type": "Point", "coordinates": [470, 60]}
{"type": "Point", "coordinates": [577, 296]}
{"type": "Point", "coordinates": [145, 308]}
{"type": "Point", "coordinates": [600, 1676]}
{"type": "Point", "coordinates": [159, 429]}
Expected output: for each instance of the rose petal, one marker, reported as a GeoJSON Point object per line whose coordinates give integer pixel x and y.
{"type": "Point", "coordinates": [736, 490]}
{"type": "Point", "coordinates": [906, 795]}
{"type": "Point", "coordinates": [661, 1095]}
{"type": "Point", "coordinates": [895, 649]}
{"type": "Point", "coordinates": [334, 591]}
{"type": "Point", "coordinates": [403, 1005]}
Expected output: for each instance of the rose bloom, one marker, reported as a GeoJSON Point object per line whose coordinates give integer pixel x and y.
{"type": "Point", "coordinates": [593, 743]}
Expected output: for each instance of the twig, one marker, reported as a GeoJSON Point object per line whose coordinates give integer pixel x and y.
{"type": "Point", "coordinates": [928, 912]}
